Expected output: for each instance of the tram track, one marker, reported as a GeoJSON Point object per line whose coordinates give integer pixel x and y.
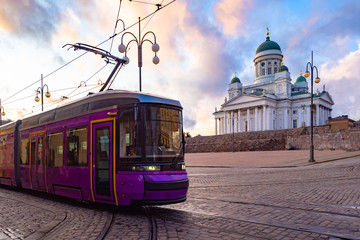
{"type": "Point", "coordinates": [213, 222]}
{"type": "Point", "coordinates": [130, 222]}
{"type": "Point", "coordinates": [312, 207]}
{"type": "Point", "coordinates": [107, 226]}
{"type": "Point", "coordinates": [278, 182]}
{"type": "Point", "coordinates": [55, 223]}
{"type": "Point", "coordinates": [152, 224]}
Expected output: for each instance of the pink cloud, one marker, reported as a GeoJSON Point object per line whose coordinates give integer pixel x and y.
{"type": "Point", "coordinates": [341, 81]}
{"type": "Point", "coordinates": [232, 15]}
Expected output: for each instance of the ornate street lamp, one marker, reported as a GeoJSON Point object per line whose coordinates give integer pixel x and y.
{"type": "Point", "coordinates": [317, 80]}
{"type": "Point", "coordinates": [41, 91]}
{"type": "Point", "coordinates": [140, 40]}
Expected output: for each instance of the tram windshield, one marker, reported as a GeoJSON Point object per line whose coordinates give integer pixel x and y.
{"type": "Point", "coordinates": [163, 132]}
{"type": "Point", "coordinates": [150, 133]}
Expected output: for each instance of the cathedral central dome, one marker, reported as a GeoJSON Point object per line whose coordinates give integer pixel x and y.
{"type": "Point", "coordinates": [267, 45]}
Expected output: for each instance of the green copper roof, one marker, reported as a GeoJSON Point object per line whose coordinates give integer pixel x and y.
{"type": "Point", "coordinates": [301, 78]}
{"type": "Point", "coordinates": [235, 80]}
{"type": "Point", "coordinates": [283, 68]}
{"type": "Point", "coordinates": [267, 45]}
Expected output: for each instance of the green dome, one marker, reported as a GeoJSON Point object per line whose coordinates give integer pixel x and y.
{"type": "Point", "coordinates": [267, 45]}
{"type": "Point", "coordinates": [301, 78]}
{"type": "Point", "coordinates": [282, 68]}
{"type": "Point", "coordinates": [235, 80]}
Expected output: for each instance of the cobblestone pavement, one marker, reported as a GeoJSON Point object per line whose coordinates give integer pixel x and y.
{"type": "Point", "coordinates": [319, 201]}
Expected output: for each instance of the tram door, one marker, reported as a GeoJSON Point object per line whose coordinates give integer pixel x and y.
{"type": "Point", "coordinates": [37, 159]}
{"type": "Point", "coordinates": [102, 160]}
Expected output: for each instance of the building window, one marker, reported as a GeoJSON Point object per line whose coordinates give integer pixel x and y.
{"type": "Point", "coordinates": [76, 147]}
{"type": "Point", "coordinates": [294, 112]}
{"type": "Point", "coordinates": [263, 72]}
{"type": "Point", "coordinates": [269, 71]}
{"type": "Point", "coordinates": [294, 123]}
{"type": "Point", "coordinates": [275, 69]}
{"type": "Point", "coordinates": [275, 63]}
{"type": "Point", "coordinates": [269, 63]}
{"type": "Point", "coordinates": [55, 149]}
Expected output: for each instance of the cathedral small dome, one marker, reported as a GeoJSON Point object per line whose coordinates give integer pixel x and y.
{"type": "Point", "coordinates": [283, 68]}
{"type": "Point", "coordinates": [301, 78]}
{"type": "Point", "coordinates": [235, 80]}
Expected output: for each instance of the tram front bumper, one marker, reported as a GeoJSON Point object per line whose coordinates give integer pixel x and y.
{"type": "Point", "coordinates": [165, 189]}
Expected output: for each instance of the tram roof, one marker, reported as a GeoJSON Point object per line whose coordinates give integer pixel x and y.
{"type": "Point", "coordinates": [95, 102]}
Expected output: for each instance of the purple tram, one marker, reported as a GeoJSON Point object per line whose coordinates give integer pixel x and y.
{"type": "Point", "coordinates": [115, 147]}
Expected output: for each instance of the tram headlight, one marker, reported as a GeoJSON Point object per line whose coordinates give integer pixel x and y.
{"type": "Point", "coordinates": [146, 168]}
{"type": "Point", "coordinates": [183, 167]}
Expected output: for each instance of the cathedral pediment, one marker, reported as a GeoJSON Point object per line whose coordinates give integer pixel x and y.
{"type": "Point", "coordinates": [243, 99]}
{"type": "Point", "coordinates": [326, 97]}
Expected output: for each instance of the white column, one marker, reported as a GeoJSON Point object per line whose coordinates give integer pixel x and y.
{"type": "Point", "coordinates": [256, 119]}
{"type": "Point", "coordinates": [232, 122]}
{"type": "Point", "coordinates": [317, 114]}
{"type": "Point", "coordinates": [264, 118]}
{"type": "Point", "coordinates": [239, 121]}
{"type": "Point", "coordinates": [221, 126]}
{"type": "Point", "coordinates": [327, 113]}
{"type": "Point", "coordinates": [299, 121]}
{"type": "Point", "coordinates": [248, 119]}
{"type": "Point", "coordinates": [225, 123]}
{"type": "Point", "coordinates": [270, 118]}
{"type": "Point", "coordinates": [286, 118]}
{"type": "Point", "coordinates": [216, 133]}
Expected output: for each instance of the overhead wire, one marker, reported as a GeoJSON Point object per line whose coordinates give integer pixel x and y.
{"type": "Point", "coordinates": [88, 79]}
{"type": "Point", "coordinates": [47, 75]}
{"type": "Point", "coordinates": [116, 21]}
{"type": "Point", "coordinates": [81, 55]}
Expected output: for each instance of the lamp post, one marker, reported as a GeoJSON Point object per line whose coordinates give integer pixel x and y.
{"type": "Point", "coordinates": [140, 40]}
{"type": "Point", "coordinates": [317, 80]}
{"type": "Point", "coordinates": [41, 91]}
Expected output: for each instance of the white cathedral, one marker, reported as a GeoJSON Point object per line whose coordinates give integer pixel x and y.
{"type": "Point", "coordinates": [272, 102]}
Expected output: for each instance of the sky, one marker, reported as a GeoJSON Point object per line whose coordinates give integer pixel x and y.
{"type": "Point", "coordinates": [202, 44]}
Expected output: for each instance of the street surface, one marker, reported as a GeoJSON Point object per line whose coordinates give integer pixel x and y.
{"type": "Point", "coordinates": [288, 199]}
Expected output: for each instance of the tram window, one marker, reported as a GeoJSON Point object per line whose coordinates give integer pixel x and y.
{"type": "Point", "coordinates": [40, 151]}
{"type": "Point", "coordinates": [163, 132]}
{"type": "Point", "coordinates": [24, 155]}
{"type": "Point", "coordinates": [55, 149]}
{"type": "Point", "coordinates": [130, 145]}
{"type": "Point", "coordinates": [76, 146]}
{"type": "Point", "coordinates": [33, 151]}
{"type": "Point", "coordinates": [2, 152]}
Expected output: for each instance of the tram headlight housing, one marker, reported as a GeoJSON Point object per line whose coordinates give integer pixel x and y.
{"type": "Point", "coordinates": [146, 168]}
{"type": "Point", "coordinates": [183, 167]}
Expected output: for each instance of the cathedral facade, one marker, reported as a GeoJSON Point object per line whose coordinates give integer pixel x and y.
{"type": "Point", "coordinates": [272, 102]}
